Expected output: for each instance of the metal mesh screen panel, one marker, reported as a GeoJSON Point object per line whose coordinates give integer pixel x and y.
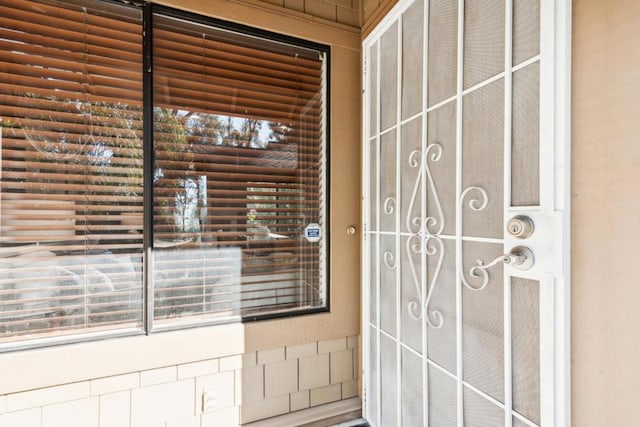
{"type": "Point", "coordinates": [388, 199]}
{"type": "Point", "coordinates": [518, 423]}
{"type": "Point", "coordinates": [388, 382]}
{"type": "Point", "coordinates": [412, 39]}
{"type": "Point", "coordinates": [483, 40]}
{"type": "Point", "coordinates": [441, 124]}
{"type": "Point", "coordinates": [443, 48]}
{"type": "Point", "coordinates": [409, 170]}
{"type": "Point", "coordinates": [525, 347]}
{"type": "Point", "coordinates": [526, 30]}
{"type": "Point", "coordinates": [374, 148]}
{"type": "Point", "coordinates": [525, 137]}
{"type": "Point", "coordinates": [372, 392]}
{"type": "Point", "coordinates": [442, 342]}
{"type": "Point", "coordinates": [442, 399]}
{"type": "Point", "coordinates": [483, 159]}
{"type": "Point", "coordinates": [411, 327]}
{"type": "Point", "coordinates": [483, 324]}
{"type": "Point", "coordinates": [388, 77]}
{"type": "Point", "coordinates": [388, 259]}
{"type": "Point", "coordinates": [479, 412]}
{"type": "Point", "coordinates": [373, 88]}
{"type": "Point", "coordinates": [412, 411]}
{"type": "Point", "coordinates": [373, 275]}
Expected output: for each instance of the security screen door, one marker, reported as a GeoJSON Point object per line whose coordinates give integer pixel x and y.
{"type": "Point", "coordinates": [465, 249]}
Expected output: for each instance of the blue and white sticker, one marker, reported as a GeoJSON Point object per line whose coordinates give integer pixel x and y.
{"type": "Point", "coordinates": [313, 232]}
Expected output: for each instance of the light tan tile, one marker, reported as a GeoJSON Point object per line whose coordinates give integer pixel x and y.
{"type": "Point", "coordinates": [47, 396]}
{"type": "Point", "coordinates": [115, 409]}
{"type": "Point", "coordinates": [197, 369]}
{"type": "Point", "coordinates": [264, 409]}
{"type": "Point", "coordinates": [320, 9]}
{"type": "Point", "coordinates": [341, 3]}
{"type": "Point", "coordinates": [117, 383]}
{"type": "Point", "coordinates": [25, 418]}
{"type": "Point", "coordinates": [158, 376]}
{"type": "Point", "coordinates": [249, 384]}
{"type": "Point", "coordinates": [314, 371]}
{"type": "Point", "coordinates": [341, 366]}
{"type": "Point", "coordinates": [332, 345]}
{"type": "Point", "coordinates": [231, 363]}
{"type": "Point", "coordinates": [270, 356]}
{"type": "Point", "coordinates": [370, 6]}
{"type": "Point", "coordinates": [214, 392]}
{"type": "Point", "coordinates": [280, 378]}
{"type": "Point", "coordinates": [294, 5]}
{"type": "Point", "coordinates": [353, 341]}
{"type": "Point", "coordinates": [320, 396]}
{"type": "Point", "coordinates": [229, 417]}
{"type": "Point", "coordinates": [250, 359]}
{"type": "Point", "coordinates": [349, 389]}
{"type": "Point", "coordinates": [299, 400]}
{"type": "Point", "coordinates": [77, 413]}
{"type": "Point", "coordinates": [3, 404]}
{"type": "Point", "coordinates": [159, 403]}
{"type": "Point", "coordinates": [193, 421]}
{"type": "Point", "coordinates": [303, 350]}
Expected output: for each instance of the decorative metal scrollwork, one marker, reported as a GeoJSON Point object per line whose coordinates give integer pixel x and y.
{"type": "Point", "coordinates": [389, 260]}
{"type": "Point", "coordinates": [389, 205]}
{"type": "Point", "coordinates": [478, 271]}
{"type": "Point", "coordinates": [425, 236]}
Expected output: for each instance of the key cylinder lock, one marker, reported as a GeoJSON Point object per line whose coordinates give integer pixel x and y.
{"type": "Point", "coordinates": [520, 226]}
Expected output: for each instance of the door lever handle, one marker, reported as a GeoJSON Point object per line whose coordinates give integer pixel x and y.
{"type": "Point", "coordinates": [520, 257]}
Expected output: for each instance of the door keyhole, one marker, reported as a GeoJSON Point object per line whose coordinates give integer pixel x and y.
{"type": "Point", "coordinates": [520, 226]}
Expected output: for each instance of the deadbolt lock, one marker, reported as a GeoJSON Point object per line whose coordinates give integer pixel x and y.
{"type": "Point", "coordinates": [520, 226]}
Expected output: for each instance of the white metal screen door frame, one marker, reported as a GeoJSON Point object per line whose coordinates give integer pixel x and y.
{"type": "Point", "coordinates": [408, 396]}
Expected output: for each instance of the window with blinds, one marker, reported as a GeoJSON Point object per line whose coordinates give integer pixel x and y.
{"type": "Point", "coordinates": [71, 168]}
{"type": "Point", "coordinates": [236, 158]}
{"type": "Point", "coordinates": [239, 172]}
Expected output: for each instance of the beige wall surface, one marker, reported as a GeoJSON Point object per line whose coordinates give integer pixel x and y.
{"type": "Point", "coordinates": [606, 212]}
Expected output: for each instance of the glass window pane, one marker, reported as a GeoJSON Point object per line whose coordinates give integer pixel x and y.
{"type": "Point", "coordinates": [238, 176]}
{"type": "Point", "coordinates": [71, 250]}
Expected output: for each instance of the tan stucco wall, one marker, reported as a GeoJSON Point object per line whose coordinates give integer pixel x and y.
{"type": "Point", "coordinates": [606, 211]}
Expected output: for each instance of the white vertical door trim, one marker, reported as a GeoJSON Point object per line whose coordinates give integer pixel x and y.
{"type": "Point", "coordinates": [424, 273]}
{"type": "Point", "coordinates": [458, 229]}
{"type": "Point", "coordinates": [507, 190]}
{"type": "Point", "coordinates": [562, 168]}
{"type": "Point", "coordinates": [398, 245]}
{"type": "Point", "coordinates": [366, 226]}
{"type": "Point", "coordinates": [378, 240]}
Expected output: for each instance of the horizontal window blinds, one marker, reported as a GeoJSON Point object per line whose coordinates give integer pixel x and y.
{"type": "Point", "coordinates": [239, 173]}
{"type": "Point", "coordinates": [71, 200]}
{"type": "Point", "coordinates": [237, 156]}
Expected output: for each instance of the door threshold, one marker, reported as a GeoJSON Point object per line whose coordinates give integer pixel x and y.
{"type": "Point", "coordinates": [331, 414]}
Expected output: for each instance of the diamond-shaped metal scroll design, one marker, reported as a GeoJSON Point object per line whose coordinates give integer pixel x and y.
{"type": "Point", "coordinates": [425, 236]}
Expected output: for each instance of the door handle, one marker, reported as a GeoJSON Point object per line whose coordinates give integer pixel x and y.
{"type": "Point", "coordinates": [519, 257]}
